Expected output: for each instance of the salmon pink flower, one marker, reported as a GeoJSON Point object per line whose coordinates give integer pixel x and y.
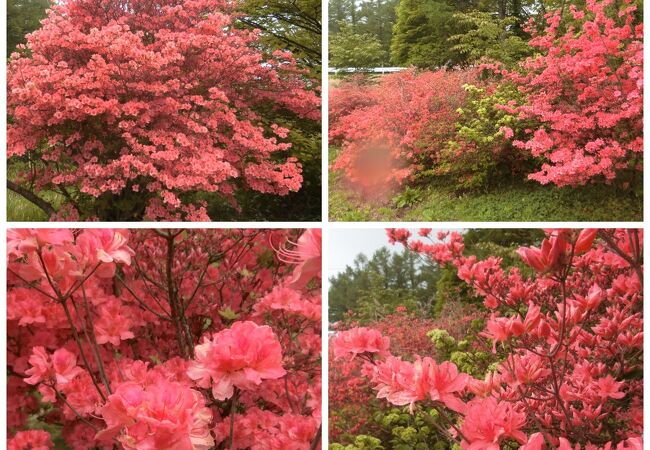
{"type": "Point", "coordinates": [585, 240]}
{"type": "Point", "coordinates": [113, 324]}
{"type": "Point", "coordinates": [358, 341]}
{"type": "Point", "coordinates": [164, 416]}
{"type": "Point", "coordinates": [546, 258]}
{"type": "Point", "coordinates": [404, 383]}
{"type": "Point", "coordinates": [22, 241]}
{"type": "Point", "coordinates": [62, 366]}
{"type": "Point", "coordinates": [30, 440]}
{"type": "Point", "coordinates": [441, 382]}
{"type": "Point", "coordinates": [306, 254]}
{"type": "Point", "coordinates": [41, 366]}
{"type": "Point", "coordinates": [241, 357]}
{"type": "Point", "coordinates": [535, 442]}
{"type": "Point", "coordinates": [488, 422]}
{"type": "Point", "coordinates": [394, 380]}
{"type": "Point", "coordinates": [608, 387]}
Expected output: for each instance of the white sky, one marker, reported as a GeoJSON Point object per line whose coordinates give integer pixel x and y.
{"type": "Point", "coordinates": [346, 244]}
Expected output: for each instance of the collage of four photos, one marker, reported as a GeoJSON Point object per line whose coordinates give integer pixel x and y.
{"type": "Point", "coordinates": [421, 225]}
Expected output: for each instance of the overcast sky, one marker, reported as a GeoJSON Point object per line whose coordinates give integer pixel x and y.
{"type": "Point", "coordinates": [346, 244]}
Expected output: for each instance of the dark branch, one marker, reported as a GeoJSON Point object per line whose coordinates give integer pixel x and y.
{"type": "Point", "coordinates": [29, 195]}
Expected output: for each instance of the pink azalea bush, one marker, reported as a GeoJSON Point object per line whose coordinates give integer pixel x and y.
{"type": "Point", "coordinates": [164, 339]}
{"type": "Point", "coordinates": [567, 344]}
{"type": "Point", "coordinates": [150, 103]}
{"type": "Point", "coordinates": [585, 93]}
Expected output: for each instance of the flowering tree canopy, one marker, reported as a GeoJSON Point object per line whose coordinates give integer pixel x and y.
{"type": "Point", "coordinates": [144, 103]}
{"type": "Point", "coordinates": [164, 339]}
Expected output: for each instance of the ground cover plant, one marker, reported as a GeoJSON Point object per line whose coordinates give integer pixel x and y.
{"type": "Point", "coordinates": [160, 111]}
{"type": "Point", "coordinates": [549, 357]}
{"type": "Point", "coordinates": [165, 339]}
{"type": "Point", "coordinates": [497, 119]}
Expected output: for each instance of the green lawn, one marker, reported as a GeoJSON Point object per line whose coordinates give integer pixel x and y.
{"type": "Point", "coordinates": [527, 202]}
{"type": "Point", "coordinates": [21, 210]}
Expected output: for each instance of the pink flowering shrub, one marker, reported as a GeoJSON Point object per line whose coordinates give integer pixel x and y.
{"type": "Point", "coordinates": [567, 344]}
{"type": "Point", "coordinates": [352, 403]}
{"type": "Point", "coordinates": [164, 339]}
{"type": "Point", "coordinates": [585, 93]}
{"type": "Point", "coordinates": [147, 104]}
{"type": "Point", "coordinates": [392, 130]}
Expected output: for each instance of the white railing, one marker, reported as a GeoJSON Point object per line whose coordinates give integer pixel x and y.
{"type": "Point", "coordinates": [365, 70]}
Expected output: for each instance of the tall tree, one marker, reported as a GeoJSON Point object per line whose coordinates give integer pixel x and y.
{"type": "Point", "coordinates": [374, 287]}
{"type": "Point", "coordinates": [421, 33]}
{"type": "Point", "coordinates": [288, 24]}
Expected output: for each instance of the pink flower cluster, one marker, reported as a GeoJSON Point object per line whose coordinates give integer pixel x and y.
{"type": "Point", "coordinates": [163, 339]}
{"type": "Point", "coordinates": [239, 357]}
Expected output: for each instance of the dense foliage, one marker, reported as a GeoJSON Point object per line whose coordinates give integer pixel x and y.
{"type": "Point", "coordinates": [142, 112]}
{"type": "Point", "coordinates": [165, 339]}
{"type": "Point", "coordinates": [23, 17]}
{"type": "Point", "coordinates": [558, 363]}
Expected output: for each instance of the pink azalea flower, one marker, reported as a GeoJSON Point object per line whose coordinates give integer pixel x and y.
{"type": "Point", "coordinates": [535, 442]}
{"type": "Point", "coordinates": [404, 383]}
{"type": "Point", "coordinates": [41, 366]}
{"type": "Point", "coordinates": [107, 245]}
{"type": "Point", "coordinates": [585, 240]}
{"type": "Point", "coordinates": [64, 364]}
{"type": "Point", "coordinates": [306, 254]}
{"type": "Point", "coordinates": [442, 382]}
{"type": "Point", "coordinates": [30, 440]}
{"type": "Point", "coordinates": [113, 324]}
{"type": "Point", "coordinates": [608, 387]}
{"type": "Point", "coordinates": [357, 341]}
{"type": "Point", "coordinates": [241, 357]}
{"type": "Point", "coordinates": [488, 422]}
{"type": "Point", "coordinates": [26, 240]}
{"type": "Point", "coordinates": [546, 258]}
{"type": "Point", "coordinates": [164, 416]}
{"type": "Point", "coordinates": [394, 380]}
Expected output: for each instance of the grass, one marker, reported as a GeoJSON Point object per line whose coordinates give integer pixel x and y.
{"type": "Point", "coordinates": [525, 202]}
{"type": "Point", "coordinates": [20, 209]}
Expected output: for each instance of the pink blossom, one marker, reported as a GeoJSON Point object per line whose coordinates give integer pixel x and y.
{"type": "Point", "coordinates": [487, 422]}
{"type": "Point", "coordinates": [163, 416]}
{"type": "Point", "coordinates": [358, 341]}
{"type": "Point", "coordinates": [241, 356]}
{"type": "Point", "coordinates": [62, 366]}
{"type": "Point", "coordinates": [547, 257]}
{"type": "Point", "coordinates": [30, 440]}
{"type": "Point", "coordinates": [306, 255]}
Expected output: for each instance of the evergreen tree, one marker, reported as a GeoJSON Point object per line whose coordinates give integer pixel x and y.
{"type": "Point", "coordinates": [23, 17]}
{"type": "Point", "coordinates": [421, 34]}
